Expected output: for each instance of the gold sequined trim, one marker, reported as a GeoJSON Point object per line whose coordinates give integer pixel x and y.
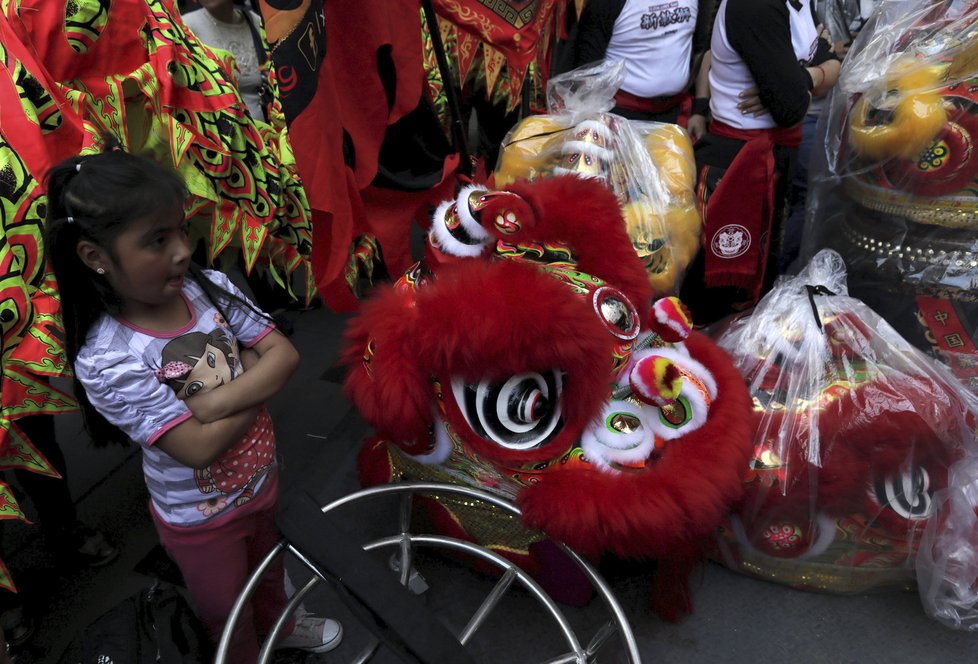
{"type": "Point", "coordinates": [950, 213]}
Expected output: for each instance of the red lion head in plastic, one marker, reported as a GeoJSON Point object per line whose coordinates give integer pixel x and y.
{"type": "Point", "coordinates": [856, 435]}
{"type": "Point", "coordinates": [528, 359]}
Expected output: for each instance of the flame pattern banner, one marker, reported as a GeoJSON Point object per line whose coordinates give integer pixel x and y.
{"type": "Point", "coordinates": [73, 69]}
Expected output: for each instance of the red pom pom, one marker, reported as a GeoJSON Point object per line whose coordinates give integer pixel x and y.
{"type": "Point", "coordinates": [656, 380]}
{"type": "Point", "coordinates": [670, 319]}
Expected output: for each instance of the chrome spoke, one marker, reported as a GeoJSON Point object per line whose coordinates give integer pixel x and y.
{"type": "Point", "coordinates": [488, 604]}
{"type": "Point", "coordinates": [603, 634]}
{"type": "Point", "coordinates": [407, 502]}
{"type": "Point", "coordinates": [404, 544]}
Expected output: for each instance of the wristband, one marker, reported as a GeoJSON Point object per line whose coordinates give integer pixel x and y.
{"type": "Point", "coordinates": [701, 106]}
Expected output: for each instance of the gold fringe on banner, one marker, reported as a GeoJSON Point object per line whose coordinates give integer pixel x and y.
{"type": "Point", "coordinates": [493, 61]}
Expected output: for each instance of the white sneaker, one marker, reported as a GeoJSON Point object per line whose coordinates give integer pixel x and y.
{"type": "Point", "coordinates": [313, 634]}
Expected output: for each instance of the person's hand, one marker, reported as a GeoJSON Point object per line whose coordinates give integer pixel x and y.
{"type": "Point", "coordinates": [750, 103]}
{"type": "Point", "coordinates": [206, 406]}
{"type": "Point", "coordinates": [696, 126]}
{"type": "Point", "coordinates": [841, 48]}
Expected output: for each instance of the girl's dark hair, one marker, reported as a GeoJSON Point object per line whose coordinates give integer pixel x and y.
{"type": "Point", "coordinates": [95, 197]}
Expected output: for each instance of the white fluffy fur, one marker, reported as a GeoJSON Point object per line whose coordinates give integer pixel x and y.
{"type": "Point", "coordinates": [570, 147]}
{"type": "Point", "coordinates": [560, 170]}
{"type": "Point", "coordinates": [600, 127]}
{"type": "Point", "coordinates": [469, 223]}
{"type": "Point", "coordinates": [664, 318]}
{"type": "Point", "coordinates": [443, 446]}
{"type": "Point", "coordinates": [683, 360]}
{"type": "Point", "coordinates": [445, 241]}
{"type": "Point", "coordinates": [603, 447]}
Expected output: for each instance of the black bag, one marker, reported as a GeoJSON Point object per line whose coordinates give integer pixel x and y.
{"type": "Point", "coordinates": [155, 625]}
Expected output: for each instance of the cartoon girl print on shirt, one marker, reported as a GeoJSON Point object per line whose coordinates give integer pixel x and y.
{"type": "Point", "coordinates": [196, 363]}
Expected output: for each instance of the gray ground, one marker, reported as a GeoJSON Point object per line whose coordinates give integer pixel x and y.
{"type": "Point", "coordinates": [736, 619]}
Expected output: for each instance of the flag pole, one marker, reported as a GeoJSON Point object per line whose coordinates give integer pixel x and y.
{"type": "Point", "coordinates": [451, 94]}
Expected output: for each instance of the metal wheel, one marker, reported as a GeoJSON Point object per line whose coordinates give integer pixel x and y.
{"type": "Point", "coordinates": [405, 544]}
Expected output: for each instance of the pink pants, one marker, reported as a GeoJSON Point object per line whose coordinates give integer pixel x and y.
{"type": "Point", "coordinates": [216, 559]}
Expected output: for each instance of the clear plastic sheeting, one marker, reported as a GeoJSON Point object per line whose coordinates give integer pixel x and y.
{"type": "Point", "coordinates": [895, 189]}
{"type": "Point", "coordinates": [649, 165]}
{"type": "Point", "coordinates": [948, 557]}
{"type": "Point", "coordinates": [859, 436]}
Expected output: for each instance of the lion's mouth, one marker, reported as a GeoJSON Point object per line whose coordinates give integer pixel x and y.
{"type": "Point", "coordinates": [520, 413]}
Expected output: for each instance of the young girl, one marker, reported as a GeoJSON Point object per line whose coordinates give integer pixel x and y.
{"type": "Point", "coordinates": [153, 341]}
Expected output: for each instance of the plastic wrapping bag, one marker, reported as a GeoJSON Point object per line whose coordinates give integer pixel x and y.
{"type": "Point", "coordinates": [856, 431]}
{"type": "Point", "coordinates": [947, 562]}
{"type": "Point", "coordinates": [649, 165]}
{"type": "Point", "coordinates": [895, 189]}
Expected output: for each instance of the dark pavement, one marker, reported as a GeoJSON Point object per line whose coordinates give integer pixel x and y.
{"type": "Point", "coordinates": [736, 619]}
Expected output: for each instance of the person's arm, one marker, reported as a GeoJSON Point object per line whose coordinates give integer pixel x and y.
{"type": "Point", "coordinates": [129, 396]}
{"type": "Point", "coordinates": [277, 361]}
{"type": "Point", "coordinates": [594, 30]}
{"type": "Point", "coordinates": [823, 72]}
{"type": "Point", "coordinates": [706, 11]}
{"type": "Point", "coordinates": [760, 32]}
{"type": "Point", "coordinates": [824, 76]}
{"type": "Point", "coordinates": [198, 444]}
{"type": "Point", "coordinates": [696, 125]}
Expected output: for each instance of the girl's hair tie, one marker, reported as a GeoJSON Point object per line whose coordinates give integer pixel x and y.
{"type": "Point", "coordinates": [78, 167]}
{"type": "Point", "coordinates": [71, 219]}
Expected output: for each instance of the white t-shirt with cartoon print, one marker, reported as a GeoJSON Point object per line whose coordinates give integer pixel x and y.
{"type": "Point", "coordinates": [137, 379]}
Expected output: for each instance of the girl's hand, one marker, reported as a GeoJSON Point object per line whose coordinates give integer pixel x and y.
{"type": "Point", "coordinates": [267, 367]}
{"type": "Point", "coordinates": [211, 405]}
{"type": "Point", "coordinates": [207, 406]}
{"type": "Point", "coordinates": [751, 102]}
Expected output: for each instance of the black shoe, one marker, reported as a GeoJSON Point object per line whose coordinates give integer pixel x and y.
{"type": "Point", "coordinates": [17, 627]}
{"type": "Point", "coordinates": [91, 548]}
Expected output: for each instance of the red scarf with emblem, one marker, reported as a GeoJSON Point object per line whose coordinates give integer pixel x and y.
{"type": "Point", "coordinates": [737, 220]}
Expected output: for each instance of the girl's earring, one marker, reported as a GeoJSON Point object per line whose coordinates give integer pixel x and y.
{"type": "Point", "coordinates": [100, 270]}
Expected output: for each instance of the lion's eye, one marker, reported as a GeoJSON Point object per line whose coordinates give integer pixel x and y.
{"type": "Point", "coordinates": [519, 413]}
{"type": "Point", "coordinates": [686, 413]}
{"type": "Point", "coordinates": [676, 414]}
{"type": "Point", "coordinates": [908, 493]}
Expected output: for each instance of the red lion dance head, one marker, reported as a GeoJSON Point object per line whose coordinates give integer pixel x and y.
{"type": "Point", "coordinates": [529, 360]}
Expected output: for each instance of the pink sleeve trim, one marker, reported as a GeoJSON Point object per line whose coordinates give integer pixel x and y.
{"type": "Point", "coordinates": [264, 333]}
{"type": "Point", "coordinates": [169, 425]}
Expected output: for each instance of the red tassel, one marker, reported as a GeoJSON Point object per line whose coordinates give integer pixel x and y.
{"type": "Point", "coordinates": [672, 599]}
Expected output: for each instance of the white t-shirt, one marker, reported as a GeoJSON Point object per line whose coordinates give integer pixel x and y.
{"type": "Point", "coordinates": [237, 39]}
{"type": "Point", "coordinates": [655, 39]}
{"type": "Point", "coordinates": [137, 379]}
{"type": "Point", "coordinates": [729, 74]}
